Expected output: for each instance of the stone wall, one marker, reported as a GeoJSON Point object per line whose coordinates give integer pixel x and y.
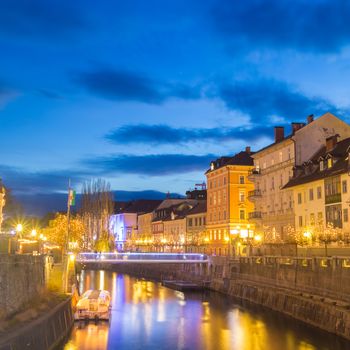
{"type": "Point", "coordinates": [44, 333]}
{"type": "Point", "coordinates": [22, 278]}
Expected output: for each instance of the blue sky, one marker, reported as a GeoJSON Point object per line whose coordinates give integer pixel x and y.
{"type": "Point", "coordinates": [146, 93]}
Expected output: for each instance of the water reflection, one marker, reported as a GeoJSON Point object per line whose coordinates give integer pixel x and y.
{"type": "Point", "coordinates": [146, 315]}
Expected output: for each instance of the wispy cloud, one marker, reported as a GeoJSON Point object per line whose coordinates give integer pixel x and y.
{"type": "Point", "coordinates": [151, 165]}
{"type": "Point", "coordinates": [315, 26]}
{"type": "Point", "coordinates": [263, 99]}
{"type": "Point", "coordinates": [40, 19]}
{"type": "Point", "coordinates": [122, 85]}
{"type": "Point", "coordinates": [165, 134]}
{"type": "Point", "coordinates": [30, 182]}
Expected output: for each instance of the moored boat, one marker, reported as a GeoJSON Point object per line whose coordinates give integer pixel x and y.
{"type": "Point", "coordinates": [93, 305]}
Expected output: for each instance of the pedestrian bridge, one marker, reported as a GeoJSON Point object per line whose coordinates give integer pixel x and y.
{"type": "Point", "coordinates": [143, 258]}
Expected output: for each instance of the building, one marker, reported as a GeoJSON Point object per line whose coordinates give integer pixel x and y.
{"type": "Point", "coordinates": [228, 187]}
{"type": "Point", "coordinates": [169, 224]}
{"type": "Point", "coordinates": [196, 239]}
{"type": "Point", "coordinates": [123, 223]}
{"type": "Point", "coordinates": [321, 188]}
{"type": "Point", "coordinates": [274, 166]}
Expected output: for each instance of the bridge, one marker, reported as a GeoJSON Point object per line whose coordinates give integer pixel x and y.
{"type": "Point", "coordinates": [142, 258]}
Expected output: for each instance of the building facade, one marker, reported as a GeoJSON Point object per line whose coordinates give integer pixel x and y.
{"type": "Point", "coordinates": [228, 206]}
{"type": "Point", "coordinates": [196, 238]}
{"type": "Point", "coordinates": [274, 166]}
{"type": "Point", "coordinates": [321, 189]}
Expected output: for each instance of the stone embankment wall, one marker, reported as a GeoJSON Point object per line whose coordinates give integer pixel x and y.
{"type": "Point", "coordinates": [22, 278]}
{"type": "Point", "coordinates": [312, 290]}
{"type": "Point", "coordinates": [45, 333]}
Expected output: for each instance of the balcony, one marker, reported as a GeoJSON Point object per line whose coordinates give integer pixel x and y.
{"type": "Point", "coordinates": [253, 195]}
{"type": "Point", "coordinates": [333, 198]}
{"type": "Point", "coordinates": [252, 173]}
{"type": "Point", "coordinates": [255, 216]}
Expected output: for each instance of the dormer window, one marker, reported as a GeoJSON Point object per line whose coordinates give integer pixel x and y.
{"type": "Point", "coordinates": [212, 166]}
{"type": "Point", "coordinates": [329, 163]}
{"type": "Point", "coordinates": [321, 165]}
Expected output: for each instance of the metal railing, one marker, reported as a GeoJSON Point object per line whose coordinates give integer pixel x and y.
{"type": "Point", "coordinates": [255, 215]}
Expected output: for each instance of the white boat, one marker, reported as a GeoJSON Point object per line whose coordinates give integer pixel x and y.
{"type": "Point", "coordinates": [93, 305]}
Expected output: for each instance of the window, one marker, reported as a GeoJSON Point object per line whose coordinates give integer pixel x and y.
{"type": "Point", "coordinates": [281, 180]}
{"type": "Point", "coordinates": [300, 221]}
{"type": "Point", "coordinates": [272, 183]}
{"type": "Point", "coordinates": [210, 200]}
{"type": "Point", "coordinates": [190, 222]}
{"type": "Point", "coordinates": [224, 214]}
{"type": "Point", "coordinates": [241, 179]}
{"type": "Point", "coordinates": [200, 221]}
{"type": "Point", "coordinates": [299, 198]}
{"type": "Point", "coordinates": [344, 186]}
{"type": "Point", "coordinates": [225, 180]}
{"type": "Point", "coordinates": [204, 221]}
{"type": "Point", "coordinates": [241, 214]}
{"type": "Point", "coordinates": [311, 194]}
{"type": "Point", "coordinates": [214, 199]}
{"type": "Point", "coordinates": [329, 162]}
{"type": "Point", "coordinates": [319, 192]}
{"type": "Point", "coordinates": [195, 222]}
{"type": "Point", "coordinates": [241, 196]}
{"type": "Point", "coordinates": [312, 219]}
{"type": "Point", "coordinates": [345, 215]}
{"type": "Point", "coordinates": [319, 218]}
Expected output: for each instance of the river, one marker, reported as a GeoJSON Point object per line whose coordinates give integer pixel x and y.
{"type": "Point", "coordinates": [146, 315]}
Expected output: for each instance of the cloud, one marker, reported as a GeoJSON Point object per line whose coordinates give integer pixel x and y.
{"type": "Point", "coordinates": [164, 134]}
{"type": "Point", "coordinates": [29, 182]}
{"type": "Point", "coordinates": [263, 99]}
{"type": "Point", "coordinates": [6, 94]}
{"type": "Point", "coordinates": [40, 18]}
{"type": "Point", "coordinates": [313, 26]}
{"type": "Point", "coordinates": [122, 85]}
{"type": "Point", "coordinates": [49, 94]}
{"type": "Point", "coordinates": [151, 165]}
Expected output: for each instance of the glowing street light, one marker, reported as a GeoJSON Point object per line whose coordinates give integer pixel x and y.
{"type": "Point", "coordinates": [307, 234]}
{"type": "Point", "coordinates": [33, 233]}
{"type": "Point", "coordinates": [257, 238]}
{"type": "Point", "coordinates": [19, 228]}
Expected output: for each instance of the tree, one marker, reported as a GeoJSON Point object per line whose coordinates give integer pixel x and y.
{"type": "Point", "coordinates": [96, 208]}
{"type": "Point", "coordinates": [328, 235]}
{"type": "Point", "coordinates": [56, 231]}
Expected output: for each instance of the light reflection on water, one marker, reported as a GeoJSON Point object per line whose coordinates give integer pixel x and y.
{"type": "Point", "coordinates": [146, 315]}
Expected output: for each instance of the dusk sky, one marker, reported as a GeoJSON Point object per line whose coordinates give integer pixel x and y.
{"type": "Point", "coordinates": [146, 93]}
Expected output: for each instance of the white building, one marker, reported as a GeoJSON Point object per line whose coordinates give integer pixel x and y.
{"type": "Point", "coordinates": [274, 166]}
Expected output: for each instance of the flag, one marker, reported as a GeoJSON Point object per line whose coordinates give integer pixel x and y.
{"type": "Point", "coordinates": [71, 197]}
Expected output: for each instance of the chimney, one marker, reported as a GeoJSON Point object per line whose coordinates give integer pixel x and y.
{"type": "Point", "coordinates": [310, 118]}
{"type": "Point", "coordinates": [279, 133]}
{"type": "Point", "coordinates": [331, 142]}
{"type": "Point", "coordinates": [296, 126]}
{"type": "Point", "coordinates": [247, 149]}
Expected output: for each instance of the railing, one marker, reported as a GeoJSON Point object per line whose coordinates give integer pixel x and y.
{"type": "Point", "coordinates": [323, 276]}
{"type": "Point", "coordinates": [333, 198]}
{"type": "Point", "coordinates": [254, 193]}
{"type": "Point", "coordinates": [141, 257]}
{"type": "Point", "coordinates": [254, 171]}
{"type": "Point", "coordinates": [255, 215]}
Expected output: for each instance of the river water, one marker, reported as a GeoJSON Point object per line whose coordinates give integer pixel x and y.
{"type": "Point", "coordinates": [146, 315]}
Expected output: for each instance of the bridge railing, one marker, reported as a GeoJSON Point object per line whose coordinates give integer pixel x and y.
{"type": "Point", "coordinates": [141, 257]}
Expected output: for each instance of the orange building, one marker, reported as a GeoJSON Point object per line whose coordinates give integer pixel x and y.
{"type": "Point", "coordinates": [228, 229]}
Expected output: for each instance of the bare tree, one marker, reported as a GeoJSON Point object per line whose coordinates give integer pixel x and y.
{"type": "Point", "coordinates": [96, 208]}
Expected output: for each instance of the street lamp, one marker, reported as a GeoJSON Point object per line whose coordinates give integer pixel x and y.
{"type": "Point", "coordinates": [33, 233]}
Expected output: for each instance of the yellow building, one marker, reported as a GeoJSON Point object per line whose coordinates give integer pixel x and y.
{"type": "Point", "coordinates": [228, 229]}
